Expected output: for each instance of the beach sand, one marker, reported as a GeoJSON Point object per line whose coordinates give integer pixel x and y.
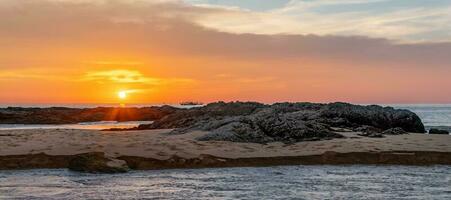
{"type": "Point", "coordinates": [158, 144]}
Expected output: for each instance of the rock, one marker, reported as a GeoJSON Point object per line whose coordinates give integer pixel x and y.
{"type": "Point", "coordinates": [266, 126]}
{"type": "Point", "coordinates": [348, 115]}
{"type": "Point", "coordinates": [338, 129]}
{"type": "Point", "coordinates": [286, 122]}
{"type": "Point", "coordinates": [394, 131]}
{"type": "Point", "coordinates": [210, 112]}
{"type": "Point", "coordinates": [341, 115]}
{"type": "Point", "coordinates": [369, 131]}
{"type": "Point", "coordinates": [438, 131]}
{"type": "Point", "coordinates": [97, 163]}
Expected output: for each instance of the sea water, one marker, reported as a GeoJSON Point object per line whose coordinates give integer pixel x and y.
{"type": "Point", "coordinates": [287, 182]}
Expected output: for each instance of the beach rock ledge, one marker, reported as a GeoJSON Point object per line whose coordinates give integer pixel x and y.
{"type": "Point", "coordinates": [97, 162]}
{"type": "Point", "coordinates": [285, 122]}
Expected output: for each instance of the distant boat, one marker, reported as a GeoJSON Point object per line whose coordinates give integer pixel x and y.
{"type": "Point", "coordinates": [191, 103]}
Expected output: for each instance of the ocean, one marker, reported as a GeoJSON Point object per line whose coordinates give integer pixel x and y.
{"type": "Point", "coordinates": [286, 182]}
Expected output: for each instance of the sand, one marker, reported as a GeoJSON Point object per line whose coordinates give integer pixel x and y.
{"type": "Point", "coordinates": [159, 144]}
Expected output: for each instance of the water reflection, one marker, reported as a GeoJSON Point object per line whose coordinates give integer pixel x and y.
{"type": "Point", "coordinates": [305, 182]}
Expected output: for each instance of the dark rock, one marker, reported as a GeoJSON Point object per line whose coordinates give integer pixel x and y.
{"type": "Point", "coordinates": [341, 115]}
{"type": "Point", "coordinates": [348, 115]}
{"type": "Point", "coordinates": [213, 111]}
{"type": "Point", "coordinates": [394, 131]}
{"type": "Point", "coordinates": [287, 122]}
{"type": "Point", "coordinates": [265, 126]}
{"type": "Point", "coordinates": [97, 163]}
{"type": "Point", "coordinates": [438, 131]}
{"type": "Point", "coordinates": [369, 131]}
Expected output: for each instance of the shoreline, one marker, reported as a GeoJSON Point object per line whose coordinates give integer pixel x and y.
{"type": "Point", "coordinates": [157, 149]}
{"type": "Point", "coordinates": [421, 158]}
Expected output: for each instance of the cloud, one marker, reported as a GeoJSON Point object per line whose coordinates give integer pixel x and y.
{"type": "Point", "coordinates": [256, 5]}
{"type": "Point", "coordinates": [170, 29]}
{"type": "Point", "coordinates": [403, 21]}
{"type": "Point", "coordinates": [10, 75]}
{"type": "Point", "coordinates": [124, 76]}
{"type": "Point", "coordinates": [121, 76]}
{"type": "Point", "coordinates": [164, 43]}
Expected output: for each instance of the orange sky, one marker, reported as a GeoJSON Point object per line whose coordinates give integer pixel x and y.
{"type": "Point", "coordinates": [157, 53]}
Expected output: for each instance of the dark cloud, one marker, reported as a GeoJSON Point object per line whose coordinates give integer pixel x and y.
{"type": "Point", "coordinates": [168, 28]}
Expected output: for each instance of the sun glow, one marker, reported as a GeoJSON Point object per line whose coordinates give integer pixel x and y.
{"type": "Point", "coordinates": [122, 94]}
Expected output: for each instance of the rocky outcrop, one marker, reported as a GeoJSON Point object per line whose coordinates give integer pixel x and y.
{"type": "Point", "coordinates": [287, 122]}
{"type": "Point", "coordinates": [348, 115]}
{"type": "Point", "coordinates": [38, 161]}
{"type": "Point", "coordinates": [369, 131]}
{"type": "Point", "coordinates": [263, 127]}
{"type": "Point", "coordinates": [438, 131]}
{"type": "Point", "coordinates": [239, 121]}
{"type": "Point", "coordinates": [97, 162]}
{"type": "Point", "coordinates": [394, 131]}
{"type": "Point", "coordinates": [60, 115]}
{"type": "Point", "coordinates": [210, 112]}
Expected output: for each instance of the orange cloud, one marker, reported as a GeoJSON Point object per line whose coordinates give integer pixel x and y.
{"type": "Point", "coordinates": [120, 76]}
{"type": "Point", "coordinates": [160, 50]}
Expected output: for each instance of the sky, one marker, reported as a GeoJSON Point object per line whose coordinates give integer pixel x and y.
{"type": "Point", "coordinates": [168, 51]}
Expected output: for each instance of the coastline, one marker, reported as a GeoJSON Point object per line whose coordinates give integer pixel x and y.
{"type": "Point", "coordinates": [157, 149]}
{"type": "Point", "coordinates": [44, 161]}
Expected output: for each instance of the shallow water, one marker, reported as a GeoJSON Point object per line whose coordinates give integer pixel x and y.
{"type": "Point", "coordinates": [301, 182]}
{"type": "Point", "coordinates": [82, 126]}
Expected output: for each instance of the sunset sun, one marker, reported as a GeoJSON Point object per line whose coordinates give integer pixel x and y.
{"type": "Point", "coordinates": [122, 94]}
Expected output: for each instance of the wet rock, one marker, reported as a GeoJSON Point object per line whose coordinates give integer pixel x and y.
{"type": "Point", "coordinates": [438, 131]}
{"type": "Point", "coordinates": [97, 162]}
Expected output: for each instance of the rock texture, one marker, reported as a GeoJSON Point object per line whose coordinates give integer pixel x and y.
{"type": "Point", "coordinates": [394, 131]}
{"type": "Point", "coordinates": [287, 122]}
{"type": "Point", "coordinates": [97, 162]}
{"type": "Point", "coordinates": [36, 161]}
{"type": "Point", "coordinates": [438, 131]}
{"type": "Point", "coordinates": [60, 115]}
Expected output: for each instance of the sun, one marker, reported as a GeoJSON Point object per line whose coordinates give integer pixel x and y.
{"type": "Point", "coordinates": [122, 94]}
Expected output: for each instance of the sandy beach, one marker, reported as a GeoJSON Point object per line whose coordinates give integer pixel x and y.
{"type": "Point", "coordinates": [159, 145]}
